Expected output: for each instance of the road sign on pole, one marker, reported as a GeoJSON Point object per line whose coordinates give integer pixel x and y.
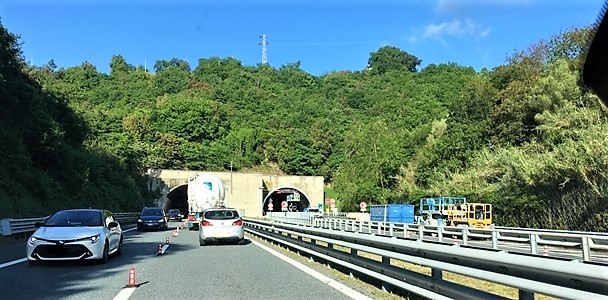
{"type": "Point", "coordinates": [363, 206]}
{"type": "Point", "coordinates": [284, 205]}
{"type": "Point", "coordinates": [270, 206]}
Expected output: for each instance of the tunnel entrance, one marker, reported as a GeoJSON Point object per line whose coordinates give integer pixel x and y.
{"type": "Point", "coordinates": [177, 198]}
{"type": "Point", "coordinates": [296, 200]}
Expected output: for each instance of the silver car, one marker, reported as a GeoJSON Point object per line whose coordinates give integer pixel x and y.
{"type": "Point", "coordinates": [75, 234]}
{"type": "Point", "coordinates": [221, 224]}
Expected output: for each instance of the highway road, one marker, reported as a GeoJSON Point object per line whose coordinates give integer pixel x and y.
{"type": "Point", "coordinates": [185, 271]}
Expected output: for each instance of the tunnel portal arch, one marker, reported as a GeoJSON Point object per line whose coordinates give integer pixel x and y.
{"type": "Point", "coordinates": [297, 200]}
{"type": "Point", "coordinates": [177, 198]}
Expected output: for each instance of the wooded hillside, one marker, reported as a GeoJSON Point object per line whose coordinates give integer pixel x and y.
{"type": "Point", "coordinates": [525, 136]}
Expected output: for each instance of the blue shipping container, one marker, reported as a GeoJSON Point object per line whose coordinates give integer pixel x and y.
{"type": "Point", "coordinates": [395, 213]}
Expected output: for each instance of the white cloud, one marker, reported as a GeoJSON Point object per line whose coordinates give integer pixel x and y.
{"type": "Point", "coordinates": [465, 27]}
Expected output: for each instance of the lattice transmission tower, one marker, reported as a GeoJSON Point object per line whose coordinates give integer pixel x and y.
{"type": "Point", "coordinates": [264, 43]}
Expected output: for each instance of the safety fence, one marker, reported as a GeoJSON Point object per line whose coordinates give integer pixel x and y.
{"type": "Point", "coordinates": [349, 245]}
{"type": "Point", "coordinates": [586, 246]}
{"type": "Point", "coordinates": [21, 226]}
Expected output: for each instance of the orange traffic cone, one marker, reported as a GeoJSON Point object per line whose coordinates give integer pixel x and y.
{"type": "Point", "coordinates": [167, 240]}
{"type": "Point", "coordinates": [546, 251]}
{"type": "Point", "coordinates": [131, 282]}
{"type": "Point", "coordinates": [160, 249]}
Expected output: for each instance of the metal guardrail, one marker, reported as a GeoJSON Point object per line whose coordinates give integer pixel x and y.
{"type": "Point", "coordinates": [18, 226]}
{"type": "Point", "coordinates": [529, 274]}
{"type": "Point", "coordinates": [533, 240]}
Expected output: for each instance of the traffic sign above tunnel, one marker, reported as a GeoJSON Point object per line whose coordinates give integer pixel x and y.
{"type": "Point", "coordinates": [294, 198]}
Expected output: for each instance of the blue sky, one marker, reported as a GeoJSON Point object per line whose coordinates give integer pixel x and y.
{"type": "Point", "coordinates": [324, 35]}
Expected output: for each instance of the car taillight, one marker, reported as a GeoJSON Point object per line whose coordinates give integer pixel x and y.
{"type": "Point", "coordinates": [207, 223]}
{"type": "Point", "coordinates": [190, 218]}
{"type": "Point", "coordinates": [237, 223]}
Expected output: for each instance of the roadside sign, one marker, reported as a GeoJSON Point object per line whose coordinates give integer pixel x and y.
{"type": "Point", "coordinates": [296, 196]}
{"type": "Point", "coordinates": [332, 201]}
{"type": "Point", "coordinates": [284, 204]}
{"type": "Point", "coordinates": [270, 206]}
{"type": "Point", "coordinates": [327, 201]}
{"type": "Point", "coordinates": [363, 206]}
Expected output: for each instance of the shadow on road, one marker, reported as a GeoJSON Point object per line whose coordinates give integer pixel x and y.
{"type": "Point", "coordinates": [55, 280]}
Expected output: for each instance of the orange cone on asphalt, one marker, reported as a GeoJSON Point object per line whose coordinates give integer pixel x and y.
{"type": "Point", "coordinates": [160, 249]}
{"type": "Point", "coordinates": [131, 282]}
{"type": "Point", "coordinates": [167, 240]}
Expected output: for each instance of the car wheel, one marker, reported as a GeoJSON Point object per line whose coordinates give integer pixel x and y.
{"type": "Point", "coordinates": [119, 250]}
{"type": "Point", "coordinates": [106, 253]}
{"type": "Point", "coordinates": [138, 228]}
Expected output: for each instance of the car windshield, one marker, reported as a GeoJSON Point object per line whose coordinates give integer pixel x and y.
{"type": "Point", "coordinates": [152, 212]}
{"type": "Point", "coordinates": [174, 211]}
{"type": "Point", "coordinates": [221, 214]}
{"type": "Point", "coordinates": [74, 218]}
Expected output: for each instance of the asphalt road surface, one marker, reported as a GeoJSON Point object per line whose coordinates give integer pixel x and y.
{"type": "Point", "coordinates": [185, 271]}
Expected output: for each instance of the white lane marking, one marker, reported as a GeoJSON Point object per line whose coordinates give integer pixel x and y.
{"type": "Point", "coordinates": [334, 284]}
{"type": "Point", "coordinates": [14, 262]}
{"type": "Point", "coordinates": [124, 294]}
{"type": "Point", "coordinates": [18, 261]}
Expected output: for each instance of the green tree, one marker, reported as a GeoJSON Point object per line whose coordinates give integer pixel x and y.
{"type": "Point", "coordinates": [390, 58]}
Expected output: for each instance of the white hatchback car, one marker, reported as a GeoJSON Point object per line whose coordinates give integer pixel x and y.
{"type": "Point", "coordinates": [75, 234]}
{"type": "Point", "coordinates": [219, 225]}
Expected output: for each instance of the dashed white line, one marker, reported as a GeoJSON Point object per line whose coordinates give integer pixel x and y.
{"type": "Point", "coordinates": [124, 294]}
{"type": "Point", "coordinates": [334, 284]}
{"type": "Point", "coordinates": [14, 262]}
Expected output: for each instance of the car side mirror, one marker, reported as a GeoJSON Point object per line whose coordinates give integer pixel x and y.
{"type": "Point", "coordinates": [37, 224]}
{"type": "Point", "coordinates": [112, 225]}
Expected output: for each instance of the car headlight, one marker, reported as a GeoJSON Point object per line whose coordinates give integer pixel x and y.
{"type": "Point", "coordinates": [139, 220]}
{"type": "Point", "coordinates": [94, 239]}
{"type": "Point", "coordinates": [161, 220]}
{"type": "Point", "coordinates": [32, 239]}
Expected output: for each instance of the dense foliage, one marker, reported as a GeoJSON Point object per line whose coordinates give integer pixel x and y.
{"type": "Point", "coordinates": [48, 156]}
{"type": "Point", "coordinates": [524, 136]}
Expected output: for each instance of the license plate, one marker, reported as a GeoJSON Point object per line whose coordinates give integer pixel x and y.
{"type": "Point", "coordinates": [221, 234]}
{"type": "Point", "coordinates": [150, 224]}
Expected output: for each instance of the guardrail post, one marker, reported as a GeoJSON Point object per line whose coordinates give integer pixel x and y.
{"type": "Point", "coordinates": [525, 295]}
{"type": "Point", "coordinates": [5, 227]}
{"type": "Point", "coordinates": [440, 233]}
{"type": "Point", "coordinates": [533, 244]}
{"type": "Point", "coordinates": [585, 245]}
{"type": "Point", "coordinates": [420, 232]}
{"type": "Point", "coordinates": [405, 232]}
{"type": "Point", "coordinates": [360, 226]}
{"type": "Point", "coordinates": [465, 236]}
{"type": "Point", "coordinates": [390, 229]}
{"type": "Point", "coordinates": [494, 239]}
{"type": "Point", "coordinates": [353, 253]}
{"type": "Point", "coordinates": [386, 287]}
{"type": "Point", "coordinates": [437, 273]}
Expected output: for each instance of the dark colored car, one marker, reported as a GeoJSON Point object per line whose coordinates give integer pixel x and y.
{"type": "Point", "coordinates": [152, 218]}
{"type": "Point", "coordinates": [175, 214]}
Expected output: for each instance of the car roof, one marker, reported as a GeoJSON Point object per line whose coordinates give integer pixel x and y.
{"type": "Point", "coordinates": [82, 209]}
{"type": "Point", "coordinates": [221, 208]}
